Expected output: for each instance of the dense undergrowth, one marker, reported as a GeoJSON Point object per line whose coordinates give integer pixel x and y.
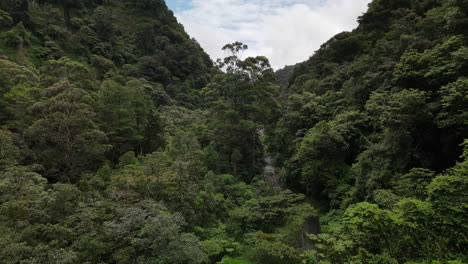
{"type": "Point", "coordinates": [122, 142]}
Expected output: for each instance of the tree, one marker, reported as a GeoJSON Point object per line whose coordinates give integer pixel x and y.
{"type": "Point", "coordinates": [18, 88]}
{"type": "Point", "coordinates": [5, 19]}
{"type": "Point", "coordinates": [241, 100]}
{"type": "Point", "coordinates": [17, 101]}
{"type": "Point", "coordinates": [124, 112]}
{"type": "Point", "coordinates": [322, 157]}
{"type": "Point", "coordinates": [154, 235]}
{"type": "Point", "coordinates": [369, 227]}
{"type": "Point", "coordinates": [64, 136]}
{"type": "Point", "coordinates": [9, 153]}
{"type": "Point", "coordinates": [454, 106]}
{"type": "Point", "coordinates": [414, 183]}
{"type": "Point", "coordinates": [446, 192]}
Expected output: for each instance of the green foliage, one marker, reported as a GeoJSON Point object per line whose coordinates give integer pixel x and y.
{"type": "Point", "coordinates": [64, 136]}
{"type": "Point", "coordinates": [322, 144]}
{"type": "Point", "coordinates": [241, 101]}
{"type": "Point", "coordinates": [154, 236]}
{"type": "Point", "coordinates": [414, 183]}
{"type": "Point", "coordinates": [102, 65]}
{"type": "Point", "coordinates": [18, 37]}
{"type": "Point", "coordinates": [12, 74]}
{"type": "Point", "coordinates": [127, 113]}
{"type": "Point", "coordinates": [264, 213]}
{"type": "Point", "coordinates": [5, 19]}
{"type": "Point", "coordinates": [371, 128]}
{"type": "Point", "coordinates": [430, 228]}
{"type": "Point", "coordinates": [454, 101]}
{"type": "Point", "coordinates": [446, 193]}
{"type": "Point", "coordinates": [9, 153]}
{"type": "Point", "coordinates": [434, 67]}
{"type": "Point", "coordinates": [121, 143]}
{"type": "Point", "coordinates": [233, 261]}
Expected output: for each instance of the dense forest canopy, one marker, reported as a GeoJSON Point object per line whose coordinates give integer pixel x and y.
{"type": "Point", "coordinates": [122, 142]}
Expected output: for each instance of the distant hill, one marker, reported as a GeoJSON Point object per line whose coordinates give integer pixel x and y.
{"type": "Point", "coordinates": [283, 75]}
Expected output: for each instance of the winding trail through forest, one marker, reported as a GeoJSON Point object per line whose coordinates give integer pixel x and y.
{"type": "Point", "coordinates": [312, 224]}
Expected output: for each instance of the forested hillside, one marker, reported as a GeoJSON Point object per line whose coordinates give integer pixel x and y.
{"type": "Point", "coordinates": [122, 142]}
{"type": "Point", "coordinates": [373, 131]}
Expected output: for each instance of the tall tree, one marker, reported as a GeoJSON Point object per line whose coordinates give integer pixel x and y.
{"type": "Point", "coordinates": [241, 100]}
{"type": "Point", "coordinates": [64, 136]}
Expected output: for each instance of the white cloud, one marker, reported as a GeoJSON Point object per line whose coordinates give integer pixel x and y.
{"type": "Point", "coordinates": [285, 31]}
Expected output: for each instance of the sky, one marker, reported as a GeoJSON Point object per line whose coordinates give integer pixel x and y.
{"type": "Point", "coordinates": [285, 31]}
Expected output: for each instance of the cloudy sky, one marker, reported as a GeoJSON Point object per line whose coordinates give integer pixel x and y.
{"type": "Point", "coordinates": [285, 31]}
